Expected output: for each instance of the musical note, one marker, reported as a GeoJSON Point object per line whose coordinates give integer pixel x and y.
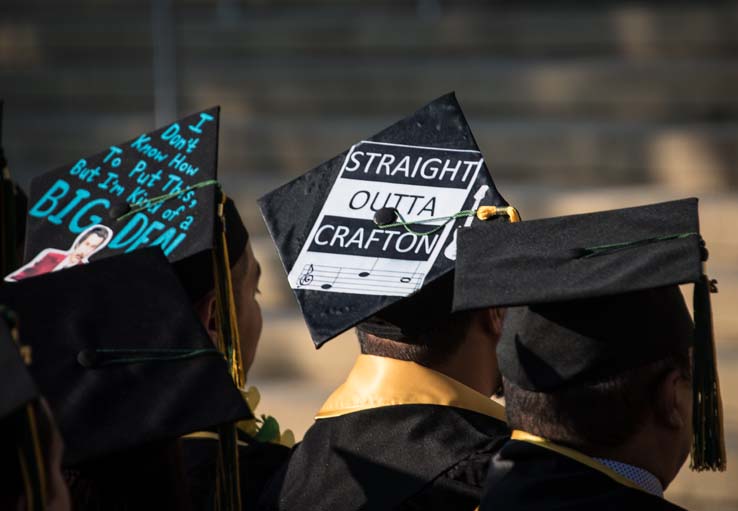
{"type": "Point", "coordinates": [450, 252]}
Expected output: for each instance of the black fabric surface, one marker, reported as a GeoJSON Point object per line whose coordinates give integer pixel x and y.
{"type": "Point", "coordinates": [397, 457]}
{"type": "Point", "coordinates": [133, 301]}
{"type": "Point", "coordinates": [541, 261]}
{"type": "Point", "coordinates": [544, 347]}
{"type": "Point", "coordinates": [525, 476]}
{"type": "Point", "coordinates": [291, 210]}
{"type": "Point", "coordinates": [258, 463]}
{"type": "Point", "coordinates": [16, 385]}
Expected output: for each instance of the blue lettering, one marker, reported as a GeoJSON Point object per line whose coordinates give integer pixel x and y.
{"type": "Point", "coordinates": [50, 199]}
{"type": "Point", "coordinates": [120, 241]}
{"type": "Point", "coordinates": [203, 119]}
{"type": "Point", "coordinates": [59, 217]}
{"type": "Point", "coordinates": [94, 219]}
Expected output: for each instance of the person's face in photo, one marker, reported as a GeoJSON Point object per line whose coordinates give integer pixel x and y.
{"type": "Point", "coordinates": [87, 247]}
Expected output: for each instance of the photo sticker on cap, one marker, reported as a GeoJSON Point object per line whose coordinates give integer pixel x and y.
{"type": "Point", "coordinates": [157, 189]}
{"type": "Point", "coordinates": [350, 249]}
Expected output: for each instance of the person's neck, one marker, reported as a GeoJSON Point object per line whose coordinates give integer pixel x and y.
{"type": "Point", "coordinates": [474, 364]}
{"type": "Point", "coordinates": [644, 450]}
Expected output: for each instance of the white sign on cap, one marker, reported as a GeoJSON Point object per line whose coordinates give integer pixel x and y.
{"type": "Point", "coordinates": [346, 252]}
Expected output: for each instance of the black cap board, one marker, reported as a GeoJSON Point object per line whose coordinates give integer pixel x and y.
{"type": "Point", "coordinates": [158, 189]}
{"type": "Point", "coordinates": [120, 355]}
{"type": "Point", "coordinates": [595, 295]}
{"type": "Point", "coordinates": [376, 223]}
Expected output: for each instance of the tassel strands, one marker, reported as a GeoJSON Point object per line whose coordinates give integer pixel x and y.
{"type": "Point", "coordinates": [708, 448]}
{"type": "Point", "coordinates": [228, 491]}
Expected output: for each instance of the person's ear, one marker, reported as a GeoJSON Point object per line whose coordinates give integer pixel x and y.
{"type": "Point", "coordinates": [496, 319]}
{"type": "Point", "coordinates": [674, 400]}
{"type": "Point", "coordinates": [493, 318]}
{"type": "Point", "coordinates": [206, 312]}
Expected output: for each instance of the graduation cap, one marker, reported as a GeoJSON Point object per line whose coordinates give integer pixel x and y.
{"type": "Point", "coordinates": [21, 455]}
{"type": "Point", "coordinates": [595, 295]}
{"type": "Point", "coordinates": [157, 189]}
{"type": "Point", "coordinates": [377, 223]}
{"type": "Point", "coordinates": [120, 355]}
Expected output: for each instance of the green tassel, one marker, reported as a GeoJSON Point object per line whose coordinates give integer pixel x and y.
{"type": "Point", "coordinates": [708, 448]}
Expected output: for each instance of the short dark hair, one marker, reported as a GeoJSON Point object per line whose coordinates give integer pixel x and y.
{"type": "Point", "coordinates": [604, 412]}
{"type": "Point", "coordinates": [426, 347]}
{"type": "Point", "coordinates": [98, 230]}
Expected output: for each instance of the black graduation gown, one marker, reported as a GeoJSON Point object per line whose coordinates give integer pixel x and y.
{"type": "Point", "coordinates": [526, 476]}
{"type": "Point", "coordinates": [258, 462]}
{"type": "Point", "coordinates": [404, 456]}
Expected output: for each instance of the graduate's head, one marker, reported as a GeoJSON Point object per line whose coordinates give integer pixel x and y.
{"type": "Point", "coordinates": [423, 329]}
{"type": "Point", "coordinates": [604, 375]}
{"type": "Point", "coordinates": [597, 341]}
{"type": "Point", "coordinates": [196, 273]}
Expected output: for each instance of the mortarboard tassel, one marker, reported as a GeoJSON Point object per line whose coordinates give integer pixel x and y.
{"type": "Point", "coordinates": [708, 448]}
{"type": "Point", "coordinates": [228, 494]}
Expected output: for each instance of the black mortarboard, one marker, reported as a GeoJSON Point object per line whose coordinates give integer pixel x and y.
{"type": "Point", "coordinates": [120, 355]}
{"type": "Point", "coordinates": [376, 224]}
{"type": "Point", "coordinates": [597, 294]}
{"type": "Point", "coordinates": [158, 189]}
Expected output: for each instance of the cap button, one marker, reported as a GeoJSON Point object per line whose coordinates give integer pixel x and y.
{"type": "Point", "coordinates": [87, 358]}
{"type": "Point", "coordinates": [118, 210]}
{"type": "Point", "coordinates": [385, 216]}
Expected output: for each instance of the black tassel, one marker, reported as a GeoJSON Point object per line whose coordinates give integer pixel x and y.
{"type": "Point", "coordinates": [708, 448]}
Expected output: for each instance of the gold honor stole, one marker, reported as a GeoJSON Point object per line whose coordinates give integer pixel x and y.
{"type": "Point", "coordinates": [375, 382]}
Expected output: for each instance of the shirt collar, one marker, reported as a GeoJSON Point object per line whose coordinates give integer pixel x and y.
{"type": "Point", "coordinates": [643, 478]}
{"type": "Point", "coordinates": [380, 381]}
{"type": "Point", "coordinates": [594, 463]}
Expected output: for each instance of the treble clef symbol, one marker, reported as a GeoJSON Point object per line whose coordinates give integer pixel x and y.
{"type": "Point", "coordinates": [306, 277]}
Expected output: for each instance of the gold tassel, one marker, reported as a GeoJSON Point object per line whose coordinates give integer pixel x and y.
{"type": "Point", "coordinates": [228, 487]}
{"type": "Point", "coordinates": [708, 448]}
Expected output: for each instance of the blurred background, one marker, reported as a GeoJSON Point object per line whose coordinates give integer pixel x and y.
{"type": "Point", "coordinates": [576, 107]}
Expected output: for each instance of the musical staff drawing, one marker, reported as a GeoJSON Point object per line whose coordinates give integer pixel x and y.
{"type": "Point", "coordinates": [359, 280]}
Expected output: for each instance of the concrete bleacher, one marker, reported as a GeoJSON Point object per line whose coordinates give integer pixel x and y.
{"type": "Point", "coordinates": [576, 107]}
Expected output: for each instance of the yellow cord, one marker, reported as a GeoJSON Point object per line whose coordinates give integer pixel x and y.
{"type": "Point", "coordinates": [487, 212]}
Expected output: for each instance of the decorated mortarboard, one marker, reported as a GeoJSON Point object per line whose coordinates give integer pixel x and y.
{"type": "Point", "coordinates": [377, 223]}
{"type": "Point", "coordinates": [120, 355]}
{"type": "Point", "coordinates": [154, 190]}
{"type": "Point", "coordinates": [597, 294]}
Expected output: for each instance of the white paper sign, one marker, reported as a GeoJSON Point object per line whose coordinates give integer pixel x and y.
{"type": "Point", "coordinates": [346, 252]}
